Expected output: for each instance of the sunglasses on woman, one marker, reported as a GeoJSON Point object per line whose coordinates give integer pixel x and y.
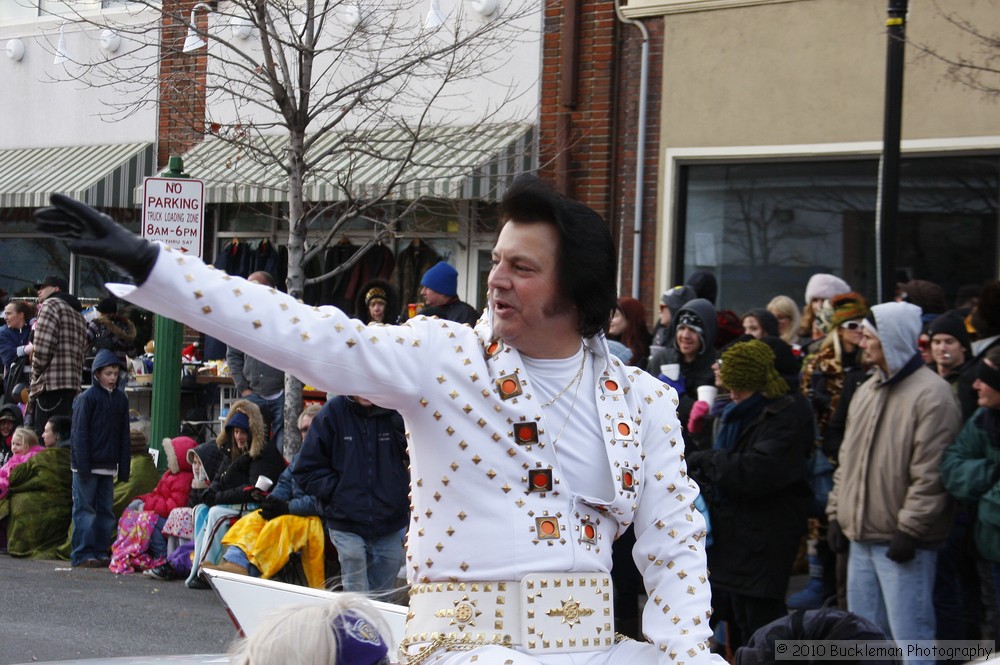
{"type": "Point", "coordinates": [851, 325]}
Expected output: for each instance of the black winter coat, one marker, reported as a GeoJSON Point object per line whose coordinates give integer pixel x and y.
{"type": "Point", "coordinates": [232, 479]}
{"type": "Point", "coordinates": [354, 462]}
{"type": "Point", "coordinates": [757, 493]}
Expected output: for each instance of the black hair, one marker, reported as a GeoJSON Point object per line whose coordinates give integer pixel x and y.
{"type": "Point", "coordinates": [61, 425]}
{"type": "Point", "coordinates": [587, 264]}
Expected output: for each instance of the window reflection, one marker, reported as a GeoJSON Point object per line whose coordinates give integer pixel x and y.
{"type": "Point", "coordinates": [764, 228]}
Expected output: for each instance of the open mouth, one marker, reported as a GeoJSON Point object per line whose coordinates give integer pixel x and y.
{"type": "Point", "coordinates": [500, 306]}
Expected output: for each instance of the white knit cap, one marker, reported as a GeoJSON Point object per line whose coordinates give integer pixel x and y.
{"type": "Point", "coordinates": [825, 286]}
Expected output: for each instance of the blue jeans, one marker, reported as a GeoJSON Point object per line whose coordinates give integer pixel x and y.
{"type": "Point", "coordinates": [368, 565]}
{"type": "Point", "coordinates": [157, 541]}
{"type": "Point", "coordinates": [276, 409]}
{"type": "Point", "coordinates": [235, 555]}
{"type": "Point", "coordinates": [897, 597]}
{"type": "Point", "coordinates": [93, 517]}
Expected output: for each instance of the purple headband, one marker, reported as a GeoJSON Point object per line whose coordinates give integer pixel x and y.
{"type": "Point", "coordinates": [358, 641]}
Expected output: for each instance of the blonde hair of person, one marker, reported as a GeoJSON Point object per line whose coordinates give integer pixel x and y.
{"type": "Point", "coordinates": [785, 306]}
{"type": "Point", "coordinates": [27, 435]}
{"type": "Point", "coordinates": [310, 411]}
{"type": "Point", "coordinates": [320, 634]}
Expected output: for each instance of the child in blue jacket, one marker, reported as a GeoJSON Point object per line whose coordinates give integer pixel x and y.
{"type": "Point", "coordinates": [99, 450]}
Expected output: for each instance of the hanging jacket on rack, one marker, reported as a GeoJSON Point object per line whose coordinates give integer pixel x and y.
{"type": "Point", "coordinates": [230, 257]}
{"type": "Point", "coordinates": [333, 290]}
{"type": "Point", "coordinates": [411, 265]}
{"type": "Point", "coordinates": [265, 258]}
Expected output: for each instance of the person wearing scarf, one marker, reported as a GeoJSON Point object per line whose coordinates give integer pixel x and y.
{"type": "Point", "coordinates": [970, 469]}
{"type": "Point", "coordinates": [754, 479]}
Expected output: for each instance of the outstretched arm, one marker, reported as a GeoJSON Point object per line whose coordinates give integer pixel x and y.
{"type": "Point", "coordinates": [95, 234]}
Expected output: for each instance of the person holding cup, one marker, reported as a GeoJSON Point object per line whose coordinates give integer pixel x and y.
{"type": "Point", "coordinates": [261, 542]}
{"type": "Point", "coordinates": [252, 454]}
{"type": "Point", "coordinates": [754, 481]}
{"type": "Point", "coordinates": [686, 363]}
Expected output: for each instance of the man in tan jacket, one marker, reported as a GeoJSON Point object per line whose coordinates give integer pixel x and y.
{"type": "Point", "coordinates": [887, 498]}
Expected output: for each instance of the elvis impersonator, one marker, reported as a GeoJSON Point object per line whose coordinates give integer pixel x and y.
{"type": "Point", "coordinates": [532, 448]}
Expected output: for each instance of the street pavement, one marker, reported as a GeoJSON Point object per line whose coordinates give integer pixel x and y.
{"type": "Point", "coordinates": [49, 611]}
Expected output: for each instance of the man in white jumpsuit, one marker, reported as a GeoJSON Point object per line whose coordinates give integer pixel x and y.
{"type": "Point", "coordinates": [532, 448]}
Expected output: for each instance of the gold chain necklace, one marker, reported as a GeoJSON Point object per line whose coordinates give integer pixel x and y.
{"type": "Point", "coordinates": [579, 375]}
{"type": "Point", "coordinates": [578, 380]}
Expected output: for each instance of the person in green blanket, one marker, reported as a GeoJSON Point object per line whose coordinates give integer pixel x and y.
{"type": "Point", "coordinates": [38, 511]}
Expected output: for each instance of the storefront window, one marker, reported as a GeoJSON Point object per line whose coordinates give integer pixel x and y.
{"type": "Point", "coordinates": [28, 258]}
{"type": "Point", "coordinates": [765, 228]}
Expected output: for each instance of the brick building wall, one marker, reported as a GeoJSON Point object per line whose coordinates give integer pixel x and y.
{"type": "Point", "coordinates": [181, 119]}
{"type": "Point", "coordinates": [589, 121]}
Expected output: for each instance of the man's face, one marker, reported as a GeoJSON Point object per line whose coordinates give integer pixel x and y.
{"type": "Point", "coordinates": [108, 376]}
{"type": "Point", "coordinates": [6, 427]}
{"type": "Point", "coordinates": [432, 298]}
{"type": "Point", "coordinates": [947, 351]}
{"type": "Point", "coordinates": [529, 311]}
{"type": "Point", "coordinates": [688, 342]}
{"type": "Point", "coordinates": [45, 291]}
{"type": "Point", "coordinates": [872, 347]}
{"type": "Point", "coordinates": [376, 311]}
{"type": "Point", "coordinates": [49, 437]}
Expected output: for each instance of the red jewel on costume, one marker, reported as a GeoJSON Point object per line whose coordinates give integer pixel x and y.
{"type": "Point", "coordinates": [508, 386]}
{"type": "Point", "coordinates": [540, 480]}
{"type": "Point", "coordinates": [547, 528]}
{"type": "Point", "coordinates": [610, 386]}
{"type": "Point", "coordinates": [526, 433]}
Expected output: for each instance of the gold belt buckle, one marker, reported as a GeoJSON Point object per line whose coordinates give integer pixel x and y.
{"type": "Point", "coordinates": [566, 613]}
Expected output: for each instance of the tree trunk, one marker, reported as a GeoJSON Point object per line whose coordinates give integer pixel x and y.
{"type": "Point", "coordinates": [296, 278]}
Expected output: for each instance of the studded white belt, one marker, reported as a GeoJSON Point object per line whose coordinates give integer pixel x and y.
{"type": "Point", "coordinates": [542, 613]}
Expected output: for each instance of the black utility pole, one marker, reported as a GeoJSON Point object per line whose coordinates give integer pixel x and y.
{"type": "Point", "coordinates": [887, 206]}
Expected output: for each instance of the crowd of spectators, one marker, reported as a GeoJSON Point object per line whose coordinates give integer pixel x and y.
{"type": "Point", "coordinates": [859, 442]}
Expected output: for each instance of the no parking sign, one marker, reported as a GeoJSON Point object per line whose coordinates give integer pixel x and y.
{"type": "Point", "coordinates": [173, 212]}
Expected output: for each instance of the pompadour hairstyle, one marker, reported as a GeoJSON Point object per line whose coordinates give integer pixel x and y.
{"type": "Point", "coordinates": [587, 264]}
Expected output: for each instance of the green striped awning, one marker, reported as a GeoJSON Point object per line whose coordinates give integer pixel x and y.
{"type": "Point", "coordinates": [447, 162]}
{"type": "Point", "coordinates": [102, 175]}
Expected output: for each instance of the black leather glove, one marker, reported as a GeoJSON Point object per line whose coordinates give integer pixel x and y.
{"type": "Point", "coordinates": [95, 234]}
{"type": "Point", "coordinates": [274, 508]}
{"type": "Point", "coordinates": [902, 547]}
{"type": "Point", "coordinates": [836, 539]}
{"type": "Point", "coordinates": [208, 498]}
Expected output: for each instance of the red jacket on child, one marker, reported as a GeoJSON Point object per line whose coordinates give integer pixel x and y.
{"type": "Point", "coordinates": [175, 485]}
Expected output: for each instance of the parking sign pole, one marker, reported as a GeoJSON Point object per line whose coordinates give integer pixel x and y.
{"type": "Point", "coordinates": [165, 410]}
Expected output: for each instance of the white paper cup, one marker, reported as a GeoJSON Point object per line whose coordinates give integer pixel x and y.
{"type": "Point", "coordinates": [707, 394]}
{"type": "Point", "coordinates": [671, 371]}
{"type": "Point", "coordinates": [264, 483]}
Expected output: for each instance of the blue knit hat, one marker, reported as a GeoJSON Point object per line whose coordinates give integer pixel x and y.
{"type": "Point", "coordinates": [441, 278]}
{"type": "Point", "coordinates": [240, 420]}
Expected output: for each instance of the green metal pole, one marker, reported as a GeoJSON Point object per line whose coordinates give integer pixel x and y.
{"type": "Point", "coordinates": [165, 418]}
